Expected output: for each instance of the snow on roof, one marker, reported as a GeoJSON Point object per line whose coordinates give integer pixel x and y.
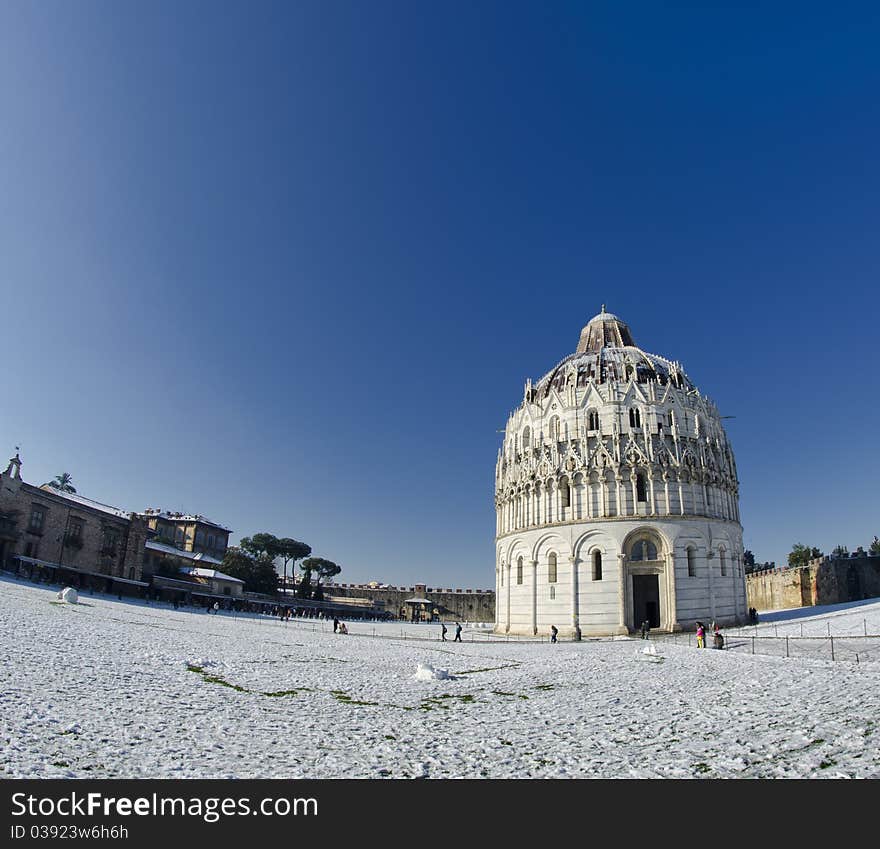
{"type": "Point", "coordinates": [196, 572]}
{"type": "Point", "coordinates": [156, 512]}
{"type": "Point", "coordinates": [179, 552]}
{"type": "Point", "coordinates": [86, 502]}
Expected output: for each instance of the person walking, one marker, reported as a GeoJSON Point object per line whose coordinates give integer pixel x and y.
{"type": "Point", "coordinates": [701, 635]}
{"type": "Point", "coordinates": [717, 639]}
{"type": "Point", "coordinates": [457, 633]}
{"type": "Point", "coordinates": [335, 624]}
{"type": "Point", "coordinates": [554, 631]}
{"type": "Point", "coordinates": [443, 632]}
{"type": "Point", "coordinates": [645, 628]}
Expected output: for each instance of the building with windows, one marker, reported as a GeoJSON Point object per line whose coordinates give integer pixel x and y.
{"type": "Point", "coordinates": [51, 534]}
{"type": "Point", "coordinates": [616, 498]}
{"type": "Point", "coordinates": [188, 532]}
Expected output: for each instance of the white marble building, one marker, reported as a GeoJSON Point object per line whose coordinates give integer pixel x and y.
{"type": "Point", "coordinates": [616, 497]}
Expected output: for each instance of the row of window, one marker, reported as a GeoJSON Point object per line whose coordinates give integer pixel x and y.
{"type": "Point", "coordinates": [552, 568]}
{"type": "Point", "coordinates": [642, 550]}
{"type": "Point", "coordinates": [558, 430]}
{"type": "Point", "coordinates": [73, 535]}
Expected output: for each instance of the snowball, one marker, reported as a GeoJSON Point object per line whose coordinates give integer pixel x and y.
{"type": "Point", "coordinates": [426, 672]}
{"type": "Point", "coordinates": [70, 595]}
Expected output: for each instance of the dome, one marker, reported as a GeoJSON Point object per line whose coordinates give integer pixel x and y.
{"type": "Point", "coordinates": [607, 352]}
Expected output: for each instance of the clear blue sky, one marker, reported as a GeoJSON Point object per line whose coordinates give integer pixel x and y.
{"type": "Point", "coordinates": [289, 265]}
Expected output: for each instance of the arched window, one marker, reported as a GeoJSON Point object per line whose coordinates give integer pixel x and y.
{"type": "Point", "coordinates": [643, 549]}
{"type": "Point", "coordinates": [551, 569]}
{"type": "Point", "coordinates": [527, 438]}
{"type": "Point", "coordinates": [597, 565]}
{"type": "Point", "coordinates": [564, 493]}
{"type": "Point", "coordinates": [692, 563]}
{"type": "Point", "coordinates": [635, 417]}
{"type": "Point", "coordinates": [641, 489]}
{"type": "Point", "coordinates": [519, 570]}
{"type": "Point", "coordinates": [723, 557]}
{"type": "Point", "coordinates": [593, 420]}
{"type": "Point", "coordinates": [554, 429]}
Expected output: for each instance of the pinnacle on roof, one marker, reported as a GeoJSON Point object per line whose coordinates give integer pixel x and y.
{"type": "Point", "coordinates": [604, 330]}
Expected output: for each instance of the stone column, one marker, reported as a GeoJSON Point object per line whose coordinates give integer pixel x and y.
{"type": "Point", "coordinates": [575, 607]}
{"type": "Point", "coordinates": [666, 490]}
{"type": "Point", "coordinates": [680, 497]}
{"type": "Point", "coordinates": [621, 593]}
{"type": "Point", "coordinates": [671, 602]}
{"type": "Point", "coordinates": [632, 481]}
{"type": "Point", "coordinates": [651, 505]}
{"type": "Point", "coordinates": [709, 558]}
{"type": "Point", "coordinates": [534, 596]}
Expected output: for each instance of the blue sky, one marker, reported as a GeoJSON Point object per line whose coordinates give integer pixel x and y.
{"type": "Point", "coordinates": [289, 265]}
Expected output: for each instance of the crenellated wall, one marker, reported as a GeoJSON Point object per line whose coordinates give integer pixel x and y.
{"type": "Point", "coordinates": [826, 580]}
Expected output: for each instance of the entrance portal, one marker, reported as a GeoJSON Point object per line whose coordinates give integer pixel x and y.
{"type": "Point", "coordinates": [646, 601]}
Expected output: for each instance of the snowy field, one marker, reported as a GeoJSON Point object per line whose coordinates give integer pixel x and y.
{"type": "Point", "coordinates": [115, 689]}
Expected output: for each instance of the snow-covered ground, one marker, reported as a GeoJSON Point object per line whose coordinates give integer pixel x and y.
{"type": "Point", "coordinates": [117, 689]}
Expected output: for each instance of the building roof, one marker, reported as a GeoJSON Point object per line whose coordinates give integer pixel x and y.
{"type": "Point", "coordinates": [158, 513]}
{"type": "Point", "coordinates": [76, 498]}
{"type": "Point", "coordinates": [196, 572]}
{"type": "Point", "coordinates": [196, 556]}
{"type": "Point", "coordinates": [606, 352]}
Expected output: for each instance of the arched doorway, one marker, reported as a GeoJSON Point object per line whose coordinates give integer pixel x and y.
{"type": "Point", "coordinates": [646, 596]}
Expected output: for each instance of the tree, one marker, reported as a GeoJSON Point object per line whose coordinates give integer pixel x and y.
{"type": "Point", "coordinates": [748, 561]}
{"type": "Point", "coordinates": [875, 547]}
{"type": "Point", "coordinates": [64, 482]}
{"type": "Point", "coordinates": [260, 546]}
{"type": "Point", "coordinates": [321, 567]}
{"type": "Point", "coordinates": [258, 573]}
{"type": "Point", "coordinates": [801, 554]}
{"type": "Point", "coordinates": [304, 589]}
{"type": "Point", "coordinates": [291, 550]}
{"type": "Point", "coordinates": [840, 551]}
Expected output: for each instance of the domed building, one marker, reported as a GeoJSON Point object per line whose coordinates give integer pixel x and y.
{"type": "Point", "coordinates": [616, 497]}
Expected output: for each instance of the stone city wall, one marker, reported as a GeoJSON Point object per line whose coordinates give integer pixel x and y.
{"type": "Point", "coordinates": [463, 604]}
{"type": "Point", "coordinates": [826, 580]}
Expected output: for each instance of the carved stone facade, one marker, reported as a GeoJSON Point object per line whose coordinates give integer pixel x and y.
{"type": "Point", "coordinates": [616, 498]}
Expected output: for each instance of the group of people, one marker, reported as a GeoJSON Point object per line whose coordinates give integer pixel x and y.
{"type": "Point", "coordinates": [339, 627]}
{"type": "Point", "coordinates": [753, 616]}
{"type": "Point", "coordinates": [443, 632]}
{"type": "Point", "coordinates": [717, 637]}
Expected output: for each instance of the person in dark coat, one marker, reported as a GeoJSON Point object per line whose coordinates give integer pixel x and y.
{"type": "Point", "coordinates": [443, 632]}
{"type": "Point", "coordinates": [335, 624]}
{"type": "Point", "coordinates": [554, 631]}
{"type": "Point", "coordinates": [457, 633]}
{"type": "Point", "coordinates": [645, 628]}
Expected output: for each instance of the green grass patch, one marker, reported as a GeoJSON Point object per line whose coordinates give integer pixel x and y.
{"type": "Point", "coordinates": [443, 702]}
{"type": "Point", "coordinates": [701, 767]}
{"type": "Point", "coordinates": [279, 693]}
{"type": "Point", "coordinates": [487, 669]}
{"type": "Point", "coordinates": [512, 695]}
{"type": "Point", "coordinates": [545, 687]}
{"type": "Point", "coordinates": [342, 696]}
{"type": "Point", "coordinates": [60, 764]}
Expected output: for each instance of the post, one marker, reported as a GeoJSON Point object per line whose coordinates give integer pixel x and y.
{"type": "Point", "coordinates": [832, 648]}
{"type": "Point", "coordinates": [753, 645]}
{"type": "Point", "coordinates": [786, 646]}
